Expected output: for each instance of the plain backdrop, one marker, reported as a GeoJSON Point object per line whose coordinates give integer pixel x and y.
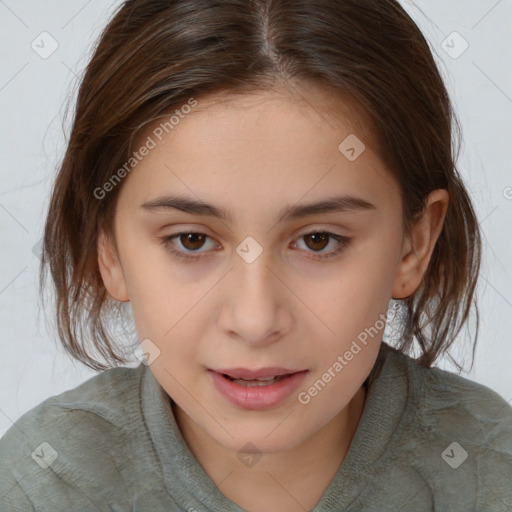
{"type": "Point", "coordinates": [472, 43]}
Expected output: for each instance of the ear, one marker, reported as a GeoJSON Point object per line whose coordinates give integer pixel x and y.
{"type": "Point", "coordinates": [111, 269]}
{"type": "Point", "coordinates": [418, 247]}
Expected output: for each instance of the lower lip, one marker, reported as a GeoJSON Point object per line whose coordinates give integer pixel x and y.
{"type": "Point", "coordinates": [257, 397]}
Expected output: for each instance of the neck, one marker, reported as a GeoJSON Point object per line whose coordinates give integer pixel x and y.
{"type": "Point", "coordinates": [298, 476]}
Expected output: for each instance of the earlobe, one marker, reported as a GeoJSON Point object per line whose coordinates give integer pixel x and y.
{"type": "Point", "coordinates": [418, 247]}
{"type": "Point", "coordinates": [111, 269]}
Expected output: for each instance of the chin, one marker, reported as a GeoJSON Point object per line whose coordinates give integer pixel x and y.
{"type": "Point", "coordinates": [258, 441]}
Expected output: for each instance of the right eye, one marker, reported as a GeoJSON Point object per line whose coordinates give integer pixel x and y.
{"type": "Point", "coordinates": [193, 239]}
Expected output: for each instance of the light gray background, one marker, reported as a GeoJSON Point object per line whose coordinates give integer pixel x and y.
{"type": "Point", "coordinates": [33, 91]}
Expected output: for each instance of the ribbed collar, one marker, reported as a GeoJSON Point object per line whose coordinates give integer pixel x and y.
{"type": "Point", "coordinates": [190, 486]}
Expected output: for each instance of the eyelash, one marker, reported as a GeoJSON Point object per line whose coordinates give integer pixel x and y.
{"type": "Point", "coordinates": [342, 240]}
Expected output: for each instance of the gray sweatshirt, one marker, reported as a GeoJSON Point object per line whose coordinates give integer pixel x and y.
{"type": "Point", "coordinates": [428, 440]}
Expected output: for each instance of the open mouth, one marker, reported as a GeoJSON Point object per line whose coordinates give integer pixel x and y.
{"type": "Point", "coordinates": [257, 382]}
{"type": "Point", "coordinates": [257, 394]}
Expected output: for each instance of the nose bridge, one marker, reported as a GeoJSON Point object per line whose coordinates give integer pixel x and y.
{"type": "Point", "coordinates": [254, 306]}
{"type": "Point", "coordinates": [252, 272]}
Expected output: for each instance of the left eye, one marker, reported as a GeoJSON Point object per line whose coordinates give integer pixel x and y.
{"type": "Point", "coordinates": [322, 238]}
{"type": "Point", "coordinates": [317, 241]}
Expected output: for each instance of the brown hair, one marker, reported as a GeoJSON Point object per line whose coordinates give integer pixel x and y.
{"type": "Point", "coordinates": [155, 55]}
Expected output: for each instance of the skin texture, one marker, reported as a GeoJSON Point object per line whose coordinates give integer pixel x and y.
{"type": "Point", "coordinates": [254, 155]}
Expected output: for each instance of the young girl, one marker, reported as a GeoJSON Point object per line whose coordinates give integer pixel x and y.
{"type": "Point", "coordinates": [257, 180]}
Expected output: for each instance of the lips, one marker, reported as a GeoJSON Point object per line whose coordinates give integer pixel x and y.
{"type": "Point", "coordinates": [262, 373]}
{"type": "Point", "coordinates": [259, 393]}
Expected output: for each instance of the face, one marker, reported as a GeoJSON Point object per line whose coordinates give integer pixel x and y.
{"type": "Point", "coordinates": [259, 287]}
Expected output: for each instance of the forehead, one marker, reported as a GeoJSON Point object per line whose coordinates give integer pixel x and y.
{"type": "Point", "coordinates": [277, 143]}
{"type": "Point", "coordinates": [320, 106]}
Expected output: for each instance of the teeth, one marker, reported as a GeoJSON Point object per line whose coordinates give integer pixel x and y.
{"type": "Point", "coordinates": [259, 382]}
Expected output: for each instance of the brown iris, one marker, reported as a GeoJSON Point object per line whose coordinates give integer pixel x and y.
{"type": "Point", "coordinates": [194, 239]}
{"type": "Point", "coordinates": [323, 238]}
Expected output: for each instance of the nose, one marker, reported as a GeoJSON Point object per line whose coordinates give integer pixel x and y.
{"type": "Point", "coordinates": [255, 308]}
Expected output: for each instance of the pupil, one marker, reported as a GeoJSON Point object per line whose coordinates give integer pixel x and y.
{"type": "Point", "coordinates": [318, 237]}
{"type": "Point", "coordinates": [192, 238]}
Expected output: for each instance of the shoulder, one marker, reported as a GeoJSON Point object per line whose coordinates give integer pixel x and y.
{"type": "Point", "coordinates": [447, 401]}
{"type": "Point", "coordinates": [106, 397]}
{"type": "Point", "coordinates": [457, 435]}
{"type": "Point", "coordinates": [59, 440]}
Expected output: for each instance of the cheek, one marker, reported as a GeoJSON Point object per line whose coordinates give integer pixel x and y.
{"type": "Point", "coordinates": [165, 311]}
{"type": "Point", "coordinates": [354, 310]}
{"type": "Point", "coordinates": [153, 301]}
{"type": "Point", "coordinates": [359, 289]}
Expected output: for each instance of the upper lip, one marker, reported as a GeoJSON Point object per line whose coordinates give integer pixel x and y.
{"type": "Point", "coordinates": [262, 373]}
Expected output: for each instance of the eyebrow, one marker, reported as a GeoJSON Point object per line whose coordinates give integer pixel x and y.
{"type": "Point", "coordinates": [337, 204]}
